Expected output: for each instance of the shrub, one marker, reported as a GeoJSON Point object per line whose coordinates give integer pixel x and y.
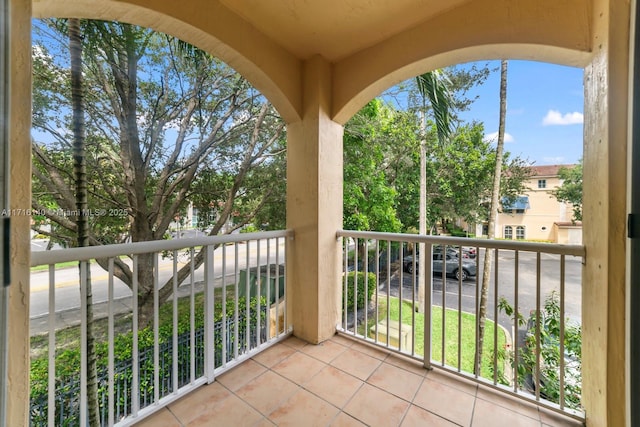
{"type": "Point", "coordinates": [369, 283]}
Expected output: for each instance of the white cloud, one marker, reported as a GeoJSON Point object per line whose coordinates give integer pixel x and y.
{"type": "Point", "coordinates": [493, 137]}
{"type": "Point", "coordinates": [555, 117]}
{"type": "Point", "coordinates": [553, 160]}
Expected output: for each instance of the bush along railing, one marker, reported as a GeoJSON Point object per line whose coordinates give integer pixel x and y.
{"type": "Point", "coordinates": [531, 343]}
{"type": "Point", "coordinates": [68, 380]}
{"type": "Point", "coordinates": [193, 309]}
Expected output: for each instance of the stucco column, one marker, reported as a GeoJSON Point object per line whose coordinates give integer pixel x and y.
{"type": "Point", "coordinates": [20, 194]}
{"type": "Point", "coordinates": [604, 217]}
{"type": "Point", "coordinates": [314, 208]}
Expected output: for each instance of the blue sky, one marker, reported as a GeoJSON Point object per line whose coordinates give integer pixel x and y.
{"type": "Point", "coordinates": [545, 105]}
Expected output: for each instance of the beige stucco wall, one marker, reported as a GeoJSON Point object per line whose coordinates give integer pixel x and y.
{"type": "Point", "coordinates": [604, 217]}
{"type": "Point", "coordinates": [544, 211]}
{"type": "Point", "coordinates": [20, 176]}
{"type": "Point", "coordinates": [316, 96]}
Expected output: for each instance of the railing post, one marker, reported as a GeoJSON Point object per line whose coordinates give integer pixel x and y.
{"type": "Point", "coordinates": [209, 339]}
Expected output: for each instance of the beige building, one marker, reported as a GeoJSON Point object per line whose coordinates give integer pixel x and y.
{"type": "Point", "coordinates": [537, 214]}
{"type": "Point", "coordinates": [319, 62]}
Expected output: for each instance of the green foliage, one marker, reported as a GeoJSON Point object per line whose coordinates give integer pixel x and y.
{"type": "Point", "coordinates": [550, 355]}
{"type": "Point", "coordinates": [571, 189]}
{"type": "Point", "coordinates": [68, 360]}
{"type": "Point", "coordinates": [366, 286]}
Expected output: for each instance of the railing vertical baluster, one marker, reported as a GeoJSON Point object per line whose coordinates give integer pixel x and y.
{"type": "Point", "coordinates": [174, 365]}
{"type": "Point", "coordinates": [366, 285]}
{"type": "Point", "coordinates": [428, 303]}
{"type": "Point", "coordinates": [516, 319]}
{"type": "Point", "coordinates": [247, 308]}
{"type": "Point", "coordinates": [562, 330]}
{"type": "Point", "coordinates": [459, 344]}
{"type": "Point", "coordinates": [83, 342]}
{"type": "Point", "coordinates": [355, 287]}
{"type": "Point", "coordinates": [223, 361]}
{"type": "Point", "coordinates": [192, 318]}
{"type": "Point", "coordinates": [400, 297]}
{"type": "Point", "coordinates": [375, 336]}
{"type": "Point", "coordinates": [277, 296]}
{"type": "Point", "coordinates": [51, 408]}
{"type": "Point", "coordinates": [388, 291]}
{"type": "Point", "coordinates": [287, 300]}
{"type": "Point", "coordinates": [209, 325]}
{"type": "Point", "coordinates": [268, 302]}
{"type": "Point", "coordinates": [444, 303]}
{"type": "Point", "coordinates": [135, 361]}
{"type": "Point", "coordinates": [495, 316]}
{"type": "Point", "coordinates": [110, 351]}
{"type": "Point", "coordinates": [536, 378]}
{"type": "Point", "coordinates": [236, 294]}
{"type": "Point", "coordinates": [413, 302]}
{"type": "Point", "coordinates": [259, 293]}
{"type": "Point", "coordinates": [476, 371]}
{"type": "Point", "coordinates": [345, 293]}
{"type": "Point", "coordinates": [156, 330]}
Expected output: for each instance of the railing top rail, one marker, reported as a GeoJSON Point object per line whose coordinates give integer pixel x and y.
{"type": "Point", "coordinates": [107, 251]}
{"type": "Point", "coordinates": [550, 248]}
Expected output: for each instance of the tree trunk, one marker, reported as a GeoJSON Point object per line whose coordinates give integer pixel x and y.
{"type": "Point", "coordinates": [80, 178]}
{"type": "Point", "coordinates": [493, 213]}
{"type": "Point", "coordinates": [422, 221]}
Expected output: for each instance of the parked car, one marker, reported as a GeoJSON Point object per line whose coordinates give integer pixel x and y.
{"type": "Point", "coordinates": [451, 262]}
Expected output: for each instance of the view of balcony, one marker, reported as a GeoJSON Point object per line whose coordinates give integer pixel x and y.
{"type": "Point", "coordinates": [197, 361]}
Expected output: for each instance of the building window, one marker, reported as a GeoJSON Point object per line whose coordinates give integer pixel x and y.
{"type": "Point", "coordinates": [508, 232]}
{"type": "Point", "coordinates": [520, 232]}
{"type": "Point", "coordinates": [542, 183]}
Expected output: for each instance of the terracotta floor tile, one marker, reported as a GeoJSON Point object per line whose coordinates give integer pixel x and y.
{"type": "Point", "coordinates": [274, 355]}
{"type": "Point", "coordinates": [375, 407]}
{"type": "Point", "coordinates": [487, 414]}
{"type": "Point", "coordinates": [294, 342]}
{"type": "Point", "coordinates": [341, 339]}
{"type": "Point", "coordinates": [325, 351]}
{"type": "Point", "coordinates": [264, 422]}
{"type": "Point", "coordinates": [241, 374]}
{"type": "Point", "coordinates": [161, 418]}
{"type": "Point", "coordinates": [446, 401]}
{"type": "Point", "coordinates": [346, 420]}
{"type": "Point", "coordinates": [299, 367]}
{"type": "Point", "coordinates": [230, 412]}
{"type": "Point", "coordinates": [397, 381]}
{"type": "Point", "coordinates": [508, 402]}
{"type": "Point", "coordinates": [267, 391]}
{"type": "Point", "coordinates": [407, 364]}
{"type": "Point", "coordinates": [199, 401]}
{"type": "Point", "coordinates": [356, 363]}
{"type": "Point", "coordinates": [369, 350]}
{"type": "Point", "coordinates": [334, 386]}
{"type": "Point", "coordinates": [551, 418]}
{"type": "Point", "coordinates": [453, 380]}
{"type": "Point", "coordinates": [304, 409]}
{"type": "Point", "coordinates": [418, 417]}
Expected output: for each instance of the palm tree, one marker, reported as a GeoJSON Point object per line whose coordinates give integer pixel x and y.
{"type": "Point", "coordinates": [80, 183]}
{"type": "Point", "coordinates": [434, 87]}
{"type": "Point", "coordinates": [493, 213]}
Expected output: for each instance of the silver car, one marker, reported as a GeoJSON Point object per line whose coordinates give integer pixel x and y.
{"type": "Point", "coordinates": [452, 265]}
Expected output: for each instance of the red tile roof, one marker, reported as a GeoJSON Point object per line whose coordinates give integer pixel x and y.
{"type": "Point", "coordinates": [547, 170]}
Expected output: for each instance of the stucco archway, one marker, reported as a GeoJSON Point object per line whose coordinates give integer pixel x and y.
{"type": "Point", "coordinates": [271, 69]}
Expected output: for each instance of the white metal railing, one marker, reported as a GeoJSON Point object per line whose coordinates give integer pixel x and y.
{"type": "Point", "coordinates": [233, 293]}
{"type": "Point", "coordinates": [529, 284]}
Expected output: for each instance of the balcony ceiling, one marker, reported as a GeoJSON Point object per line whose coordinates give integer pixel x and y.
{"type": "Point", "coordinates": [335, 29]}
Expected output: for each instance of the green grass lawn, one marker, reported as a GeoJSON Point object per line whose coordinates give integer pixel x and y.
{"type": "Point", "coordinates": [467, 335]}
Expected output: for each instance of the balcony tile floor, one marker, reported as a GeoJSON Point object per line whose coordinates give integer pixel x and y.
{"type": "Point", "coordinates": [343, 382]}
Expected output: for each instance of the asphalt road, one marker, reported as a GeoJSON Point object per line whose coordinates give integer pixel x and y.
{"type": "Point", "coordinates": [464, 295]}
{"type": "Point", "coordinates": [67, 294]}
